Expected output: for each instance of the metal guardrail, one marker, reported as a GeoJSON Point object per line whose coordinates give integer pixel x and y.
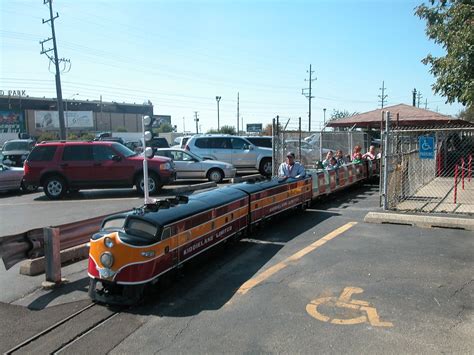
{"type": "Point", "coordinates": [30, 244]}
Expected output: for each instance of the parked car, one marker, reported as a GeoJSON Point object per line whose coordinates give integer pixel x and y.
{"type": "Point", "coordinates": [190, 166]}
{"type": "Point", "coordinates": [158, 142]}
{"type": "Point", "coordinates": [16, 151]}
{"type": "Point", "coordinates": [234, 150]}
{"type": "Point", "coordinates": [10, 178]}
{"type": "Point", "coordinates": [110, 139]}
{"type": "Point", "coordinates": [260, 141]}
{"type": "Point", "coordinates": [180, 142]}
{"type": "Point", "coordinates": [136, 146]}
{"type": "Point", "coordinates": [69, 166]}
{"type": "Point", "coordinates": [309, 153]}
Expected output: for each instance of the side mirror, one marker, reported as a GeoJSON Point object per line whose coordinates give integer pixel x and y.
{"type": "Point", "coordinates": [116, 158]}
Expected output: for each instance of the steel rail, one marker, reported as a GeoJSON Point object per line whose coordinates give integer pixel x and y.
{"type": "Point", "coordinates": [47, 330]}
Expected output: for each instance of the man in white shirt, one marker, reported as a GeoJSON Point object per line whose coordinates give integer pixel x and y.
{"type": "Point", "coordinates": [291, 168]}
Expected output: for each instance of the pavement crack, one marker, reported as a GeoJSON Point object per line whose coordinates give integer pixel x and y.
{"type": "Point", "coordinates": [462, 288]}
{"type": "Point", "coordinates": [176, 336]}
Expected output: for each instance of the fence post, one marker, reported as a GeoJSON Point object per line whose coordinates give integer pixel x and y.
{"type": "Point", "coordinates": [385, 165]}
{"type": "Point", "coordinates": [299, 139]}
{"type": "Point", "coordinates": [273, 148]}
{"type": "Point", "coordinates": [469, 166]}
{"type": "Point", "coordinates": [462, 172]}
{"type": "Point", "coordinates": [52, 254]}
{"type": "Point", "coordinates": [455, 183]}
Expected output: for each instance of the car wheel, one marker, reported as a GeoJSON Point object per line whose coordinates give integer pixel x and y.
{"type": "Point", "coordinates": [28, 188]}
{"type": "Point", "coordinates": [266, 167]}
{"type": "Point", "coordinates": [154, 184]}
{"type": "Point", "coordinates": [215, 175]}
{"type": "Point", "coordinates": [54, 187]}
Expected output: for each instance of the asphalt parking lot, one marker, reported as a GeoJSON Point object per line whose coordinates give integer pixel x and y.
{"type": "Point", "coordinates": [322, 281]}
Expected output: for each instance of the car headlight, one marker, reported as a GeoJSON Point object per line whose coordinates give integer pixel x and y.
{"type": "Point", "coordinates": [107, 259]}
{"type": "Point", "coordinates": [165, 166]}
{"type": "Point", "coordinates": [109, 242]}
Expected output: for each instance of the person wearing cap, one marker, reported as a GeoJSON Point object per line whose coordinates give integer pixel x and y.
{"type": "Point", "coordinates": [291, 168]}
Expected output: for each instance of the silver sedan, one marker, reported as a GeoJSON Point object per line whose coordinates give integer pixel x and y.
{"type": "Point", "coordinates": [10, 178]}
{"type": "Point", "coordinates": [191, 166]}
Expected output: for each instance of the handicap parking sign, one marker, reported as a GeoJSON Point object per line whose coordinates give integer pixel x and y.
{"type": "Point", "coordinates": [426, 146]}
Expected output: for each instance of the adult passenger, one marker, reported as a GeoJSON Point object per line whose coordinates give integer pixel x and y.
{"type": "Point", "coordinates": [328, 161]}
{"type": "Point", "coordinates": [370, 155]}
{"type": "Point", "coordinates": [291, 168]}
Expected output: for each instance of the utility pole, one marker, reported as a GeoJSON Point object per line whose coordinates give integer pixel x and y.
{"type": "Point", "coordinates": [55, 60]}
{"type": "Point", "coordinates": [426, 104]}
{"type": "Point", "coordinates": [242, 121]}
{"type": "Point", "coordinates": [184, 126]}
{"type": "Point", "coordinates": [324, 117]}
{"type": "Point", "coordinates": [383, 96]}
{"type": "Point", "coordinates": [419, 96]}
{"type": "Point", "coordinates": [414, 97]}
{"type": "Point", "coordinates": [218, 99]}
{"type": "Point", "coordinates": [308, 95]}
{"type": "Point", "coordinates": [196, 119]}
{"type": "Point", "coordinates": [238, 103]}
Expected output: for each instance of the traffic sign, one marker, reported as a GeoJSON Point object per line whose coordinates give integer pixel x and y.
{"type": "Point", "coordinates": [426, 146]}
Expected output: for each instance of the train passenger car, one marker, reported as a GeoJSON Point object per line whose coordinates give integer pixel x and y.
{"type": "Point", "coordinates": [133, 249]}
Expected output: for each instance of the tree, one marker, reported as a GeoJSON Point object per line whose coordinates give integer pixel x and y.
{"type": "Point", "coordinates": [450, 23]}
{"type": "Point", "coordinates": [224, 130]}
{"type": "Point", "coordinates": [164, 128]}
{"type": "Point", "coordinates": [336, 114]}
{"type": "Point", "coordinates": [467, 114]}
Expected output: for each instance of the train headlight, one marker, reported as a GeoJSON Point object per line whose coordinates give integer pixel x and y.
{"type": "Point", "coordinates": [109, 242]}
{"type": "Point", "coordinates": [107, 259]}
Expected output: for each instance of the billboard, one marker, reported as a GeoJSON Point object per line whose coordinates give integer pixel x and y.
{"type": "Point", "coordinates": [73, 119]}
{"type": "Point", "coordinates": [254, 127]}
{"type": "Point", "coordinates": [11, 122]}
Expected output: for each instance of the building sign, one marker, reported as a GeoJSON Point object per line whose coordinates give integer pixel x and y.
{"type": "Point", "coordinates": [47, 120]}
{"type": "Point", "coordinates": [12, 92]}
{"type": "Point", "coordinates": [160, 119]}
{"type": "Point", "coordinates": [427, 146]}
{"type": "Point", "coordinates": [11, 122]}
{"type": "Point", "coordinates": [254, 127]}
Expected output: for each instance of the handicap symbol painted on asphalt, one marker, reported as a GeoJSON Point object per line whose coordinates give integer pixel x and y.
{"type": "Point", "coordinates": [344, 302]}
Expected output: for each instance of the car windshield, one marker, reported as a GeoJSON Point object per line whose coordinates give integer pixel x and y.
{"type": "Point", "coordinates": [126, 152]}
{"type": "Point", "coordinates": [16, 146]}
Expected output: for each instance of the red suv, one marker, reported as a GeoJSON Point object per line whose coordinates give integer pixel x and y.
{"type": "Point", "coordinates": [69, 166]}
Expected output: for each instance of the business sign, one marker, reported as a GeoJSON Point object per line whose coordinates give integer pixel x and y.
{"type": "Point", "coordinates": [426, 147]}
{"type": "Point", "coordinates": [11, 122]}
{"type": "Point", "coordinates": [47, 120]}
{"type": "Point", "coordinates": [160, 119]}
{"type": "Point", "coordinates": [254, 127]}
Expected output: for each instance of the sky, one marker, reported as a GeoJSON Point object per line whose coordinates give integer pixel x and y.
{"type": "Point", "coordinates": [181, 54]}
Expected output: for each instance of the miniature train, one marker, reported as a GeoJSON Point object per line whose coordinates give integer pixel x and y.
{"type": "Point", "coordinates": [133, 249]}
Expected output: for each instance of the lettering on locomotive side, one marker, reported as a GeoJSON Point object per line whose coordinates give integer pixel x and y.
{"type": "Point", "coordinates": [284, 204]}
{"type": "Point", "coordinates": [207, 240]}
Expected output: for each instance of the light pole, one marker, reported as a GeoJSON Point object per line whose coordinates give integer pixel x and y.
{"type": "Point", "coordinates": [67, 118]}
{"type": "Point", "coordinates": [218, 99]}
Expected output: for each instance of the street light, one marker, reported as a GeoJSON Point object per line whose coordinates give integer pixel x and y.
{"type": "Point", "coordinates": [218, 99]}
{"type": "Point", "coordinates": [67, 118]}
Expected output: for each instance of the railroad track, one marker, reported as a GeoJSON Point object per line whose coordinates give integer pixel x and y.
{"type": "Point", "coordinates": [64, 333]}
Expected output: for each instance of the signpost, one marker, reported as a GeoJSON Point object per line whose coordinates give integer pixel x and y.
{"type": "Point", "coordinates": [426, 146]}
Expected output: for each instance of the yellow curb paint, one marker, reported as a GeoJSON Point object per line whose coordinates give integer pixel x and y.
{"type": "Point", "coordinates": [247, 286]}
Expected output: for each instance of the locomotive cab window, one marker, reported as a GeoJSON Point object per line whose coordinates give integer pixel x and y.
{"type": "Point", "coordinates": [166, 233]}
{"type": "Point", "coordinates": [142, 228]}
{"type": "Point", "coordinates": [115, 223]}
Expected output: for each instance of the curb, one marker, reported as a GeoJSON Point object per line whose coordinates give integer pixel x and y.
{"type": "Point", "coordinates": [422, 221]}
{"type": "Point", "coordinates": [33, 267]}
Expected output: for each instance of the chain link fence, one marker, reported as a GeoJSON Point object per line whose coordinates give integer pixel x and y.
{"type": "Point", "coordinates": [430, 171]}
{"type": "Point", "coordinates": [311, 148]}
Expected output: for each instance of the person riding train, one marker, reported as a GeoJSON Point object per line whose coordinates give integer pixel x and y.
{"type": "Point", "coordinates": [291, 168]}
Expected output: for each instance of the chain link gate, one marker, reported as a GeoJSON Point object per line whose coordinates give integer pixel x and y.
{"type": "Point", "coordinates": [429, 170]}
{"type": "Point", "coordinates": [311, 148]}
